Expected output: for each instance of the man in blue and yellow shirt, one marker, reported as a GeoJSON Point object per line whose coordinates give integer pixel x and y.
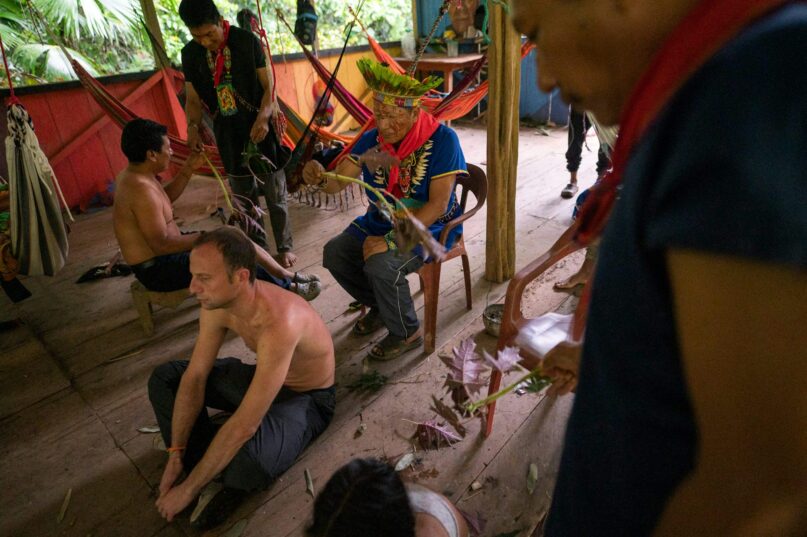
{"type": "Point", "coordinates": [365, 259]}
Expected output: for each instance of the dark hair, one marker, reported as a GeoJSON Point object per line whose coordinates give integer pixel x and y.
{"type": "Point", "coordinates": [140, 136]}
{"type": "Point", "coordinates": [363, 497]}
{"type": "Point", "coordinates": [244, 19]}
{"type": "Point", "coordinates": [195, 13]}
{"type": "Point", "coordinates": [236, 249]}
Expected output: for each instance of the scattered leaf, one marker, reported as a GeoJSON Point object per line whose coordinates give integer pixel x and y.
{"type": "Point", "coordinates": [369, 382]}
{"type": "Point", "coordinates": [309, 483]}
{"type": "Point", "coordinates": [354, 306]}
{"type": "Point", "coordinates": [65, 503]}
{"type": "Point", "coordinates": [448, 414]}
{"type": "Point", "coordinates": [465, 367]}
{"type": "Point", "coordinates": [149, 429]}
{"type": "Point", "coordinates": [431, 435]}
{"type": "Point", "coordinates": [476, 523]}
{"type": "Point", "coordinates": [405, 462]}
{"type": "Point", "coordinates": [158, 443]}
{"type": "Point", "coordinates": [532, 478]}
{"type": "Point", "coordinates": [237, 529]}
{"type": "Point", "coordinates": [428, 474]}
{"type": "Point", "coordinates": [359, 430]}
{"type": "Point", "coordinates": [506, 359]}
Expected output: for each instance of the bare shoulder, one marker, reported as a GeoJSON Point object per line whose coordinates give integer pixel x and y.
{"type": "Point", "coordinates": [135, 188]}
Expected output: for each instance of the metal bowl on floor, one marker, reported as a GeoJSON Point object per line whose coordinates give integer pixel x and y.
{"type": "Point", "coordinates": [492, 317]}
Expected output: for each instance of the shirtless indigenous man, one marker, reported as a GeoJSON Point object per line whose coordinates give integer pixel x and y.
{"type": "Point", "coordinates": [279, 404]}
{"type": "Point", "coordinates": [149, 238]}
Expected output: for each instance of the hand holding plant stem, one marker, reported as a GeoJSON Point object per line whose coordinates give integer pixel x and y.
{"type": "Point", "coordinates": [535, 378]}
{"type": "Point", "coordinates": [409, 231]}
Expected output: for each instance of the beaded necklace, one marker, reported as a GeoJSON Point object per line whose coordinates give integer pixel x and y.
{"type": "Point", "coordinates": [225, 92]}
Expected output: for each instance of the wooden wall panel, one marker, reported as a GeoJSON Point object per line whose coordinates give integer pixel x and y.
{"type": "Point", "coordinates": [65, 115]}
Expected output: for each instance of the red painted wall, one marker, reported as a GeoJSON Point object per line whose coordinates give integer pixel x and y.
{"type": "Point", "coordinates": [81, 142]}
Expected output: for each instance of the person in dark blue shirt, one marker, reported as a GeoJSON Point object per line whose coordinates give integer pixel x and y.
{"type": "Point", "coordinates": [689, 417]}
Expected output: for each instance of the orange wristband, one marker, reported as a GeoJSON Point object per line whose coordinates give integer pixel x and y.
{"type": "Point", "coordinates": [173, 449]}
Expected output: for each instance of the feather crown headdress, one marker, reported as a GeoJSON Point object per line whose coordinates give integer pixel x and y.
{"type": "Point", "coordinates": [391, 88]}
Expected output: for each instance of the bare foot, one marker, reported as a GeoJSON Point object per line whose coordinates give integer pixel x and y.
{"type": "Point", "coordinates": [571, 282]}
{"type": "Point", "coordinates": [286, 259]}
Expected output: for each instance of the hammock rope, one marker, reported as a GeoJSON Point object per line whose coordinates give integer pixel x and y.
{"type": "Point", "coordinates": [422, 50]}
{"type": "Point", "coordinates": [12, 98]}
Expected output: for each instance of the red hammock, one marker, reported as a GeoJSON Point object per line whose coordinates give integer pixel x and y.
{"type": "Point", "coordinates": [121, 115]}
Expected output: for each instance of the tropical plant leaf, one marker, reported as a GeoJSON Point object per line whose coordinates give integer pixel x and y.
{"type": "Point", "coordinates": [108, 20]}
{"type": "Point", "coordinates": [50, 62]}
{"type": "Point", "coordinates": [506, 359]}
{"type": "Point", "coordinates": [448, 414]}
{"type": "Point", "coordinates": [431, 435]}
{"type": "Point", "coordinates": [465, 367]}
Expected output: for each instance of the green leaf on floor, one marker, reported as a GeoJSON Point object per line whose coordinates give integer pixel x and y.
{"type": "Point", "coordinates": [532, 477]}
{"type": "Point", "coordinates": [369, 382]}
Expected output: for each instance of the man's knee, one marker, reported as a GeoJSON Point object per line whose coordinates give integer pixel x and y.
{"type": "Point", "coordinates": [165, 377]}
{"type": "Point", "coordinates": [333, 254]}
{"type": "Point", "coordinates": [391, 266]}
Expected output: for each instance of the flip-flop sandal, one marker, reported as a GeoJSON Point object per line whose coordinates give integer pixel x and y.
{"type": "Point", "coordinates": [392, 347]}
{"type": "Point", "coordinates": [569, 191]}
{"type": "Point", "coordinates": [369, 323]}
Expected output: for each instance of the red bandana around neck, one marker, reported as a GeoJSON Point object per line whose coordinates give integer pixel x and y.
{"type": "Point", "coordinates": [701, 34]}
{"type": "Point", "coordinates": [421, 131]}
{"type": "Point", "coordinates": [220, 54]}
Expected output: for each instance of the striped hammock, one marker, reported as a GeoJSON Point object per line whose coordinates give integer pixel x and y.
{"type": "Point", "coordinates": [38, 233]}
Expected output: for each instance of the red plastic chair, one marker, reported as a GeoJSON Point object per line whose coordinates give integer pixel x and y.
{"type": "Point", "coordinates": [513, 319]}
{"type": "Point", "coordinates": [477, 184]}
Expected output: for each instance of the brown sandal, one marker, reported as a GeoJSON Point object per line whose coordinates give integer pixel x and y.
{"type": "Point", "coordinates": [393, 346]}
{"type": "Point", "coordinates": [369, 323]}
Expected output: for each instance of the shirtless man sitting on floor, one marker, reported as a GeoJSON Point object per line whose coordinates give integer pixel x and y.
{"type": "Point", "coordinates": [149, 238]}
{"type": "Point", "coordinates": [279, 405]}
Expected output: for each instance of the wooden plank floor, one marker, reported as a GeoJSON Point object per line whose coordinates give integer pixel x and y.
{"type": "Point", "coordinates": [73, 379]}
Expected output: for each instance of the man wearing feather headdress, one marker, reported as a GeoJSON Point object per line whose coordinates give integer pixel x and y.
{"type": "Point", "coordinates": [424, 159]}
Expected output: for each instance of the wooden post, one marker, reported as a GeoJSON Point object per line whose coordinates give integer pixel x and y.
{"type": "Point", "coordinates": [415, 20]}
{"type": "Point", "coordinates": [161, 60]}
{"type": "Point", "coordinates": [504, 73]}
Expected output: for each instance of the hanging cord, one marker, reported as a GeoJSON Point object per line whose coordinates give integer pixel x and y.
{"type": "Point", "coordinates": [419, 55]}
{"type": "Point", "coordinates": [12, 98]}
{"type": "Point", "coordinates": [265, 41]}
{"type": "Point", "coordinates": [329, 87]}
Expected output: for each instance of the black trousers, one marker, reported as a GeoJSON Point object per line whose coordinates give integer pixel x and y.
{"type": "Point", "coordinates": [578, 127]}
{"type": "Point", "coordinates": [293, 421]}
{"type": "Point", "coordinates": [172, 272]}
